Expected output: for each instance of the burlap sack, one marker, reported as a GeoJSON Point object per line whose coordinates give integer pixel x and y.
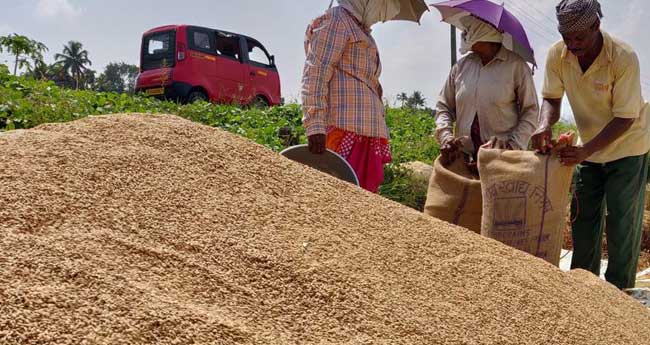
{"type": "Point", "coordinates": [525, 199]}
{"type": "Point", "coordinates": [454, 195]}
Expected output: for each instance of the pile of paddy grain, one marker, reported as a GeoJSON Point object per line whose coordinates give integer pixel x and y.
{"type": "Point", "coordinates": [133, 229]}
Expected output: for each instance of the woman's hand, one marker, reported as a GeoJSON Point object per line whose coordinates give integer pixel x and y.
{"type": "Point", "coordinates": [317, 143]}
{"type": "Point", "coordinates": [450, 150]}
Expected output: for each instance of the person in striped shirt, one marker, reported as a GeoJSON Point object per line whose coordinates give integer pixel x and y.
{"type": "Point", "coordinates": [341, 93]}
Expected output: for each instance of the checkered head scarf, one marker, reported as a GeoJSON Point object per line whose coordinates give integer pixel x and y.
{"type": "Point", "coordinates": [577, 15]}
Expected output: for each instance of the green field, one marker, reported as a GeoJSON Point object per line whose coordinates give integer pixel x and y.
{"type": "Point", "coordinates": [26, 103]}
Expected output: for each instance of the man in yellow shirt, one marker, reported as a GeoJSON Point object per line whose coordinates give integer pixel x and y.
{"type": "Point", "coordinates": [600, 76]}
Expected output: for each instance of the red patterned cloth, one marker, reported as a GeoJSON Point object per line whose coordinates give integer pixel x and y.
{"type": "Point", "coordinates": [366, 155]}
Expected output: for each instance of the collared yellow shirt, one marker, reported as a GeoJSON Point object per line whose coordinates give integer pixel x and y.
{"type": "Point", "coordinates": [610, 88]}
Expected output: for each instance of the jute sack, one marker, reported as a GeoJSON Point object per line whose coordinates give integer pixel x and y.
{"type": "Point", "coordinates": [454, 195]}
{"type": "Point", "coordinates": [525, 197]}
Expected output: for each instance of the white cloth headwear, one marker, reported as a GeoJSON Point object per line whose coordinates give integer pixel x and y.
{"type": "Point", "coordinates": [370, 12]}
{"type": "Point", "coordinates": [476, 31]}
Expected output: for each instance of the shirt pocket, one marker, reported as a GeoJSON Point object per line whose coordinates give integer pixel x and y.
{"type": "Point", "coordinates": [363, 57]}
{"type": "Point", "coordinates": [499, 100]}
{"type": "Point", "coordinates": [499, 93]}
{"type": "Point", "coordinates": [602, 85]}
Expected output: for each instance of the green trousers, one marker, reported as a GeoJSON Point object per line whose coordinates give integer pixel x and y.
{"type": "Point", "coordinates": [618, 189]}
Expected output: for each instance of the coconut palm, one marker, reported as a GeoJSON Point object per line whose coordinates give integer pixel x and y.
{"type": "Point", "coordinates": [416, 100]}
{"type": "Point", "coordinates": [73, 61]}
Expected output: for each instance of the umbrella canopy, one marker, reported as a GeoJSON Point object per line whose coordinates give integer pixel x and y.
{"type": "Point", "coordinates": [411, 10]}
{"type": "Point", "coordinates": [514, 35]}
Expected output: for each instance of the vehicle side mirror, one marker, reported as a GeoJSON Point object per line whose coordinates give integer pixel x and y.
{"type": "Point", "coordinates": [272, 60]}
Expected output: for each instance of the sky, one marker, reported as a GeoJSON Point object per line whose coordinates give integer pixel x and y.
{"type": "Point", "coordinates": [414, 57]}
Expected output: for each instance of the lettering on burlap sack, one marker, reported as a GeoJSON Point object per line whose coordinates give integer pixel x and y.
{"type": "Point", "coordinates": [524, 200]}
{"type": "Point", "coordinates": [509, 201]}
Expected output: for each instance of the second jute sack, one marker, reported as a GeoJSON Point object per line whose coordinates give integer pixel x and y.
{"type": "Point", "coordinates": [525, 198]}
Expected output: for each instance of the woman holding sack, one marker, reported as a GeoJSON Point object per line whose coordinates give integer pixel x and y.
{"type": "Point", "coordinates": [489, 94]}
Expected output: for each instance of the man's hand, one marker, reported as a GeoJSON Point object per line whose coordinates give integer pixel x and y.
{"type": "Point", "coordinates": [317, 143]}
{"type": "Point", "coordinates": [542, 140]}
{"type": "Point", "coordinates": [574, 155]}
{"type": "Point", "coordinates": [450, 150]}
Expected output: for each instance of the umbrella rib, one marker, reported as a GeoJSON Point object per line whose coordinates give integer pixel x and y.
{"type": "Point", "coordinates": [502, 9]}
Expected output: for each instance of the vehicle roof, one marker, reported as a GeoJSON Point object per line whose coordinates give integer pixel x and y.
{"type": "Point", "coordinates": [161, 28]}
{"type": "Point", "coordinates": [173, 27]}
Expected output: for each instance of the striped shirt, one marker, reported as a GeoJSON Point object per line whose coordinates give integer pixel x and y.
{"type": "Point", "coordinates": [340, 85]}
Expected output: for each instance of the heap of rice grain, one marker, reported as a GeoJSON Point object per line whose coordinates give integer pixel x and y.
{"type": "Point", "coordinates": [134, 229]}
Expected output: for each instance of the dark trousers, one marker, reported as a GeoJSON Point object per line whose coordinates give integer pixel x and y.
{"type": "Point", "coordinates": [617, 188]}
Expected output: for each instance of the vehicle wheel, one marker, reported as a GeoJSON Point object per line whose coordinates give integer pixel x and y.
{"type": "Point", "coordinates": [197, 96]}
{"type": "Point", "coordinates": [260, 103]}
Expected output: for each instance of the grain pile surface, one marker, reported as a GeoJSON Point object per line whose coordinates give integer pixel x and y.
{"type": "Point", "coordinates": [137, 229]}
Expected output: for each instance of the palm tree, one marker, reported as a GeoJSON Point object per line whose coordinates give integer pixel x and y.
{"type": "Point", "coordinates": [416, 100]}
{"type": "Point", "coordinates": [40, 70]}
{"type": "Point", "coordinates": [23, 48]}
{"type": "Point", "coordinates": [74, 61]}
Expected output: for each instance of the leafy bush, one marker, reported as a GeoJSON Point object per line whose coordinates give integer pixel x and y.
{"type": "Point", "coordinates": [400, 186]}
{"type": "Point", "coordinates": [411, 134]}
{"type": "Point", "coordinates": [26, 103]}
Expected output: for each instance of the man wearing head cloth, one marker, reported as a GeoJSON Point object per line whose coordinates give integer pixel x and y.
{"type": "Point", "coordinates": [600, 76]}
{"type": "Point", "coordinates": [341, 95]}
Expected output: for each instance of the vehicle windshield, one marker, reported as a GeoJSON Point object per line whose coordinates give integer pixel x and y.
{"type": "Point", "coordinates": [158, 50]}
